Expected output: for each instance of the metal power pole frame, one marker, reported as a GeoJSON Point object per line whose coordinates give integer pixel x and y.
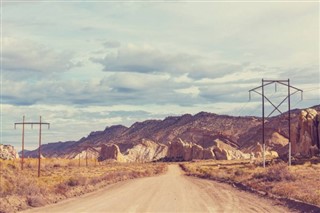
{"type": "Point", "coordinates": [86, 157]}
{"type": "Point", "coordinates": [40, 134]}
{"type": "Point", "coordinates": [263, 141]}
{"type": "Point", "coordinates": [289, 123]}
{"type": "Point", "coordinates": [264, 97]}
{"type": "Point", "coordinates": [22, 140]}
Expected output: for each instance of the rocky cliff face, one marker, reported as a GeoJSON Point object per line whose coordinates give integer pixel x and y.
{"type": "Point", "coordinates": [224, 151]}
{"type": "Point", "coordinates": [180, 150]}
{"type": "Point", "coordinates": [110, 152]}
{"type": "Point", "coordinates": [7, 152]}
{"type": "Point", "coordinates": [305, 134]}
{"type": "Point", "coordinates": [200, 136]}
{"type": "Point", "coordinates": [147, 151]}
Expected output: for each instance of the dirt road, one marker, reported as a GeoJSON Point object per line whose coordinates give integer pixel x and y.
{"type": "Point", "coordinates": [171, 192]}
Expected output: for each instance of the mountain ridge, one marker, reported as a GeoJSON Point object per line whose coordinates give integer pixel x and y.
{"type": "Point", "coordinates": [203, 129]}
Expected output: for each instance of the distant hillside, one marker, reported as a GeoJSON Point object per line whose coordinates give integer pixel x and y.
{"type": "Point", "coordinates": [202, 129]}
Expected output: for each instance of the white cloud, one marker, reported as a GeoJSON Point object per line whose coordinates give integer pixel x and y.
{"type": "Point", "coordinates": [27, 55]}
{"type": "Point", "coordinates": [146, 59]}
{"type": "Point", "coordinates": [136, 81]}
{"type": "Point", "coordinates": [193, 91]}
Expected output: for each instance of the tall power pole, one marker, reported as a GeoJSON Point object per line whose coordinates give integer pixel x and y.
{"type": "Point", "coordinates": [265, 83]}
{"type": "Point", "coordinates": [22, 142]}
{"type": "Point", "coordinates": [40, 134]}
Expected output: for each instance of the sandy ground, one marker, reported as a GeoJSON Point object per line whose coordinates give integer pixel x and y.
{"type": "Point", "coordinates": [171, 192]}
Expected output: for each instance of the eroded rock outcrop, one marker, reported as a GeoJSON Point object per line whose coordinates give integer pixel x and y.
{"type": "Point", "coordinates": [146, 151]}
{"type": "Point", "coordinates": [258, 152]}
{"type": "Point", "coordinates": [7, 152]}
{"type": "Point", "coordinates": [110, 152]}
{"type": "Point", "coordinates": [221, 154]}
{"type": "Point", "coordinates": [208, 154]}
{"type": "Point", "coordinates": [276, 141]}
{"type": "Point", "coordinates": [186, 151]}
{"type": "Point", "coordinates": [224, 151]}
{"type": "Point", "coordinates": [305, 134]}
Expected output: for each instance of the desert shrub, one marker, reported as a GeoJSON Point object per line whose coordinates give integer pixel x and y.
{"type": "Point", "coordinates": [95, 180]}
{"type": "Point", "coordinates": [259, 175]}
{"type": "Point", "coordinates": [11, 166]}
{"type": "Point", "coordinates": [82, 180]}
{"type": "Point", "coordinates": [135, 174]}
{"type": "Point", "coordinates": [121, 175]}
{"type": "Point", "coordinates": [251, 166]}
{"type": "Point", "coordinates": [30, 189]}
{"type": "Point", "coordinates": [25, 185]}
{"type": "Point", "coordinates": [56, 165]}
{"type": "Point", "coordinates": [108, 176]}
{"type": "Point", "coordinates": [276, 172]}
{"type": "Point", "coordinates": [36, 201]}
{"type": "Point", "coordinates": [239, 172]}
{"type": "Point", "coordinates": [73, 181]}
{"type": "Point", "coordinates": [6, 188]}
{"type": "Point", "coordinates": [279, 172]}
{"type": "Point", "coordinates": [72, 163]}
{"type": "Point", "coordinates": [61, 188]}
{"type": "Point", "coordinates": [147, 172]}
{"type": "Point", "coordinates": [160, 169]}
{"type": "Point", "coordinates": [29, 164]}
{"type": "Point", "coordinates": [77, 181]}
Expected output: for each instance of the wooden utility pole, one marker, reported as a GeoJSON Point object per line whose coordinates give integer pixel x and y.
{"type": "Point", "coordinates": [86, 148]}
{"type": "Point", "coordinates": [40, 134]}
{"type": "Point", "coordinates": [22, 142]}
{"type": "Point", "coordinates": [87, 157]}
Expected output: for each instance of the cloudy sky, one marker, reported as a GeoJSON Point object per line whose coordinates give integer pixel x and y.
{"type": "Point", "coordinates": [85, 65]}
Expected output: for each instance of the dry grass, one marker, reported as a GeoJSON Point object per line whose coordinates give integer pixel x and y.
{"type": "Point", "coordinates": [61, 178]}
{"type": "Point", "coordinates": [300, 182]}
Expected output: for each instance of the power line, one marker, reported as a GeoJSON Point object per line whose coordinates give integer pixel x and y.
{"type": "Point", "coordinates": [265, 83]}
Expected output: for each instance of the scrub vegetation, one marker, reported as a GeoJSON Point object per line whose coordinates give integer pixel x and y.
{"type": "Point", "coordinates": [61, 179]}
{"type": "Point", "coordinates": [300, 182]}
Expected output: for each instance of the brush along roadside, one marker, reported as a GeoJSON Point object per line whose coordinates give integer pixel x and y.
{"type": "Point", "coordinates": [61, 179]}
{"type": "Point", "coordinates": [298, 185]}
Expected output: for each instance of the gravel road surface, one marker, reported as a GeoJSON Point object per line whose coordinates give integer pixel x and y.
{"type": "Point", "coordinates": [170, 192]}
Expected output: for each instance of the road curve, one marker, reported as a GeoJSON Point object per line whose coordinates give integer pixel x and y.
{"type": "Point", "coordinates": [171, 192]}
